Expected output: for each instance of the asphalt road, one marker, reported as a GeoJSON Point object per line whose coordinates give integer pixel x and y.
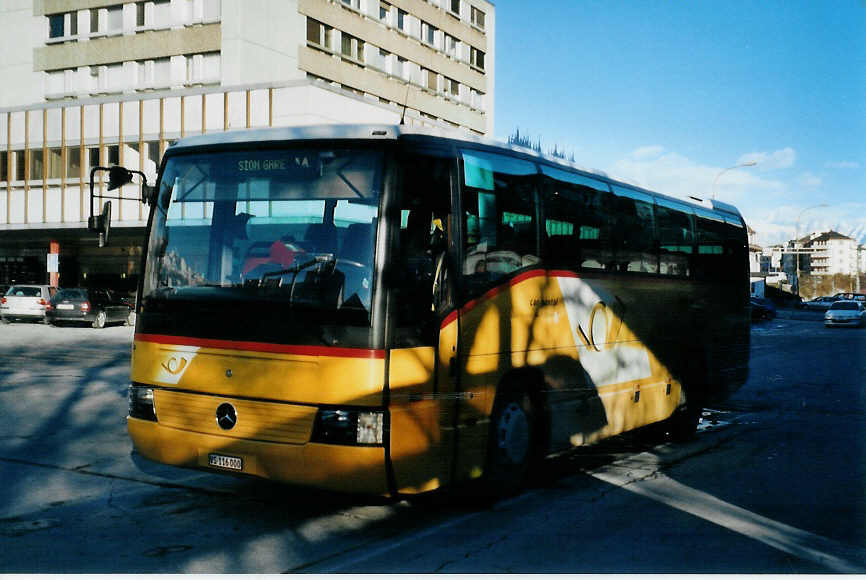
{"type": "Point", "coordinates": [774, 482]}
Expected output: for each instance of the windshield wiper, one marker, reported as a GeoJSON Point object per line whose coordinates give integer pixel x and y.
{"type": "Point", "coordinates": [329, 259]}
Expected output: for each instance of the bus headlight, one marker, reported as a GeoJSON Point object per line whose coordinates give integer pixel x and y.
{"type": "Point", "coordinates": [141, 403]}
{"type": "Point", "coordinates": [349, 427]}
{"type": "Point", "coordinates": [370, 427]}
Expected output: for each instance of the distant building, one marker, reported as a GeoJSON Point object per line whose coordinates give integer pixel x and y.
{"type": "Point", "coordinates": [103, 82]}
{"type": "Point", "coordinates": [827, 253]}
{"type": "Point", "coordinates": [755, 251]}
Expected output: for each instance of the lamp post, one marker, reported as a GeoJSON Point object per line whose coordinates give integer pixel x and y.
{"type": "Point", "coordinates": [723, 171]}
{"type": "Point", "coordinates": [797, 239]}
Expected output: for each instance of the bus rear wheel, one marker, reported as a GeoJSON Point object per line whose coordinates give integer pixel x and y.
{"type": "Point", "coordinates": [683, 424]}
{"type": "Point", "coordinates": [512, 442]}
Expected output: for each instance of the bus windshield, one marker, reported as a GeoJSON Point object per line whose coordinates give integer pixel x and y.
{"type": "Point", "coordinates": [266, 245]}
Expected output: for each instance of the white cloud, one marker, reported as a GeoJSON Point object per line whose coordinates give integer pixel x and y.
{"type": "Point", "coordinates": [668, 172]}
{"type": "Point", "coordinates": [809, 180]}
{"type": "Point", "coordinates": [781, 159]}
{"type": "Point", "coordinates": [842, 165]}
{"type": "Point", "coordinates": [649, 152]}
{"type": "Point", "coordinates": [785, 222]}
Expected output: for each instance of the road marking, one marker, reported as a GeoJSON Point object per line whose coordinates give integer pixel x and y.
{"type": "Point", "coordinates": [639, 474]}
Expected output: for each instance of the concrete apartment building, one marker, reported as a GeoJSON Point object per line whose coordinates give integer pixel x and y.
{"type": "Point", "coordinates": [102, 82]}
{"type": "Point", "coordinates": [828, 253]}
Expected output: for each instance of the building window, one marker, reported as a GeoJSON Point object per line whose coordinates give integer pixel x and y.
{"type": "Point", "coordinates": [115, 19]}
{"type": "Point", "coordinates": [94, 21]}
{"type": "Point", "coordinates": [62, 25]}
{"type": "Point", "coordinates": [319, 34]}
{"type": "Point", "coordinates": [476, 58]}
{"type": "Point", "coordinates": [162, 14]}
{"type": "Point", "coordinates": [203, 68]}
{"type": "Point", "coordinates": [162, 72]}
{"type": "Point", "coordinates": [35, 164]}
{"type": "Point", "coordinates": [454, 7]}
{"type": "Point", "coordinates": [403, 20]}
{"type": "Point", "coordinates": [55, 26]}
{"type": "Point", "coordinates": [380, 59]}
{"type": "Point", "coordinates": [431, 80]}
{"type": "Point", "coordinates": [477, 17]}
{"type": "Point", "coordinates": [73, 163]}
{"type": "Point", "coordinates": [20, 157]}
{"type": "Point", "coordinates": [450, 46]}
{"type": "Point", "coordinates": [211, 11]}
{"type": "Point", "coordinates": [113, 154]}
{"type": "Point", "coordinates": [452, 87]}
{"type": "Point", "coordinates": [352, 47]}
{"type": "Point", "coordinates": [53, 165]}
{"type": "Point", "coordinates": [428, 33]}
{"type": "Point", "coordinates": [402, 68]}
{"type": "Point", "coordinates": [140, 14]}
{"type": "Point", "coordinates": [352, 3]}
{"type": "Point", "coordinates": [385, 12]}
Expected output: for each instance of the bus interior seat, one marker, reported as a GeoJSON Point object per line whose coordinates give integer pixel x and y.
{"type": "Point", "coordinates": [358, 243]}
{"type": "Point", "coordinates": [321, 238]}
{"type": "Point", "coordinates": [357, 251]}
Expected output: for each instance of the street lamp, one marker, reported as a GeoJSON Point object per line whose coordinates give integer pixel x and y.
{"type": "Point", "coordinates": [797, 239]}
{"type": "Point", "coordinates": [723, 171]}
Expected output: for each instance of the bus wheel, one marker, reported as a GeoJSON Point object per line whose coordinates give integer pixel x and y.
{"type": "Point", "coordinates": [683, 424]}
{"type": "Point", "coordinates": [511, 444]}
{"type": "Point", "coordinates": [99, 321]}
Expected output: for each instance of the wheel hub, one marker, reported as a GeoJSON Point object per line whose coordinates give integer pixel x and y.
{"type": "Point", "coordinates": [513, 433]}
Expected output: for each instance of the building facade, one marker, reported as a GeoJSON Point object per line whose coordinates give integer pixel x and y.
{"type": "Point", "coordinates": [828, 253]}
{"type": "Point", "coordinates": [95, 82]}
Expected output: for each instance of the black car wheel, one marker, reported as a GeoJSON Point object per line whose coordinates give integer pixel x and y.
{"type": "Point", "coordinates": [99, 321]}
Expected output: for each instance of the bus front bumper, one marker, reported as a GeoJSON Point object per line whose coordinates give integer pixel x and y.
{"type": "Point", "coordinates": [343, 468]}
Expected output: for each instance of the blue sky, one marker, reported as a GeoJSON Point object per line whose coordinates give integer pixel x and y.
{"type": "Point", "coordinates": [668, 94]}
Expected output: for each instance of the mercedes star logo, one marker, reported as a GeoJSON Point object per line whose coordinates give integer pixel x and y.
{"type": "Point", "coordinates": [226, 416]}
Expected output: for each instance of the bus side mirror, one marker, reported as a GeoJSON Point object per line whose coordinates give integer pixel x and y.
{"type": "Point", "coordinates": [148, 194]}
{"type": "Point", "coordinates": [101, 224]}
{"type": "Point", "coordinates": [118, 177]}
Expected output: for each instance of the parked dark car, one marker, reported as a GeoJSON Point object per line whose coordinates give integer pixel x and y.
{"type": "Point", "coordinates": [856, 296]}
{"type": "Point", "coordinates": [762, 309]}
{"type": "Point", "coordinates": [95, 306]}
{"type": "Point", "coordinates": [820, 303]}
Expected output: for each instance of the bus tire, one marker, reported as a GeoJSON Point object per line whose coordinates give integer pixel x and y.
{"type": "Point", "coordinates": [512, 442]}
{"type": "Point", "coordinates": [683, 424]}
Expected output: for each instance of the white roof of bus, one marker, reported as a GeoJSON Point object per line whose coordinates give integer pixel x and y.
{"type": "Point", "coordinates": [393, 132]}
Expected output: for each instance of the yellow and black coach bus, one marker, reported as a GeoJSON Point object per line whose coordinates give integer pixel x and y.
{"type": "Point", "coordinates": [388, 310]}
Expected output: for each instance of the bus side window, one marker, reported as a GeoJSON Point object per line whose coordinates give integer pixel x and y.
{"type": "Point", "coordinates": [634, 231]}
{"type": "Point", "coordinates": [675, 237]}
{"type": "Point", "coordinates": [577, 221]}
{"type": "Point", "coordinates": [499, 218]}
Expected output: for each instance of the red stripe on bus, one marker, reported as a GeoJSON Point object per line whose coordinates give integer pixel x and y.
{"type": "Point", "coordinates": [262, 346]}
{"type": "Point", "coordinates": [452, 316]}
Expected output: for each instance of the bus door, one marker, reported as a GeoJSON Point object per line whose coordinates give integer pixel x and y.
{"type": "Point", "coordinates": [423, 395]}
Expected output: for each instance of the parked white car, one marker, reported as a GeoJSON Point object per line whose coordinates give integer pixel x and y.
{"type": "Point", "coordinates": [26, 302]}
{"type": "Point", "coordinates": [845, 313]}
